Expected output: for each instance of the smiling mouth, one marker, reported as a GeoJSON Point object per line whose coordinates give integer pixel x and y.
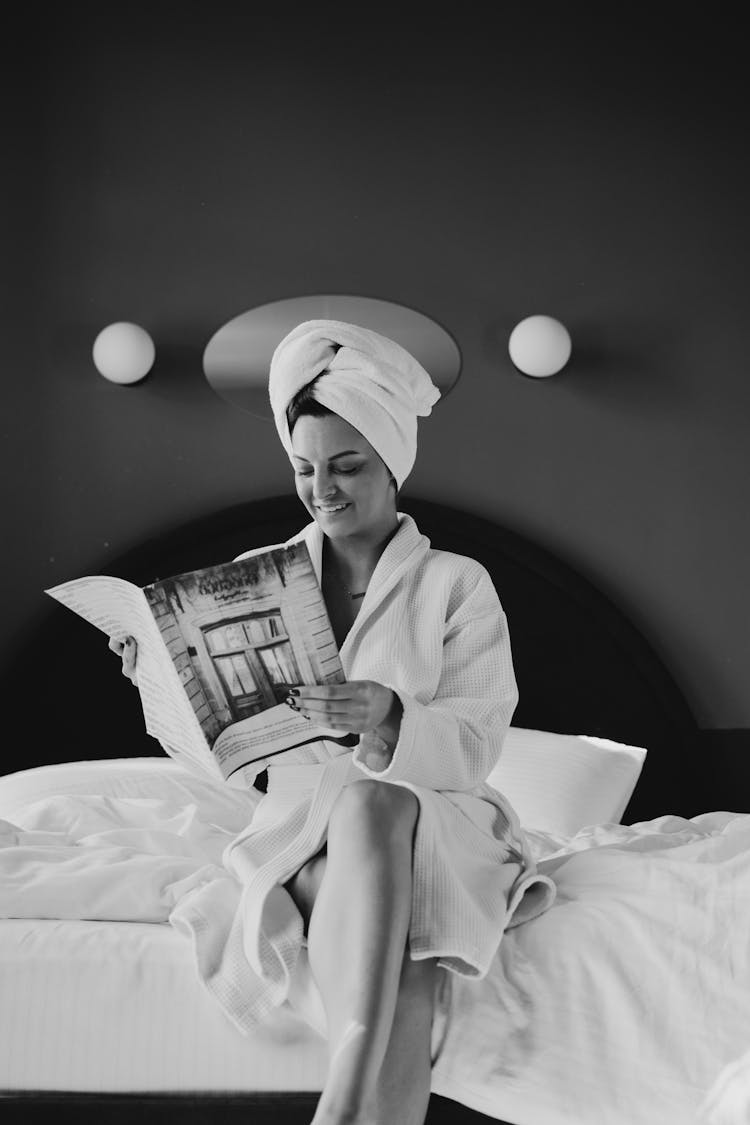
{"type": "Point", "coordinates": [329, 509]}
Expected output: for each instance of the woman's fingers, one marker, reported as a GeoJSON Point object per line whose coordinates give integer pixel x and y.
{"type": "Point", "coordinates": [128, 658]}
{"type": "Point", "coordinates": [323, 718]}
{"type": "Point", "coordinates": [324, 702]}
{"type": "Point", "coordinates": [324, 712]}
{"type": "Point", "coordinates": [355, 706]}
{"type": "Point", "coordinates": [321, 707]}
{"type": "Point", "coordinates": [128, 651]}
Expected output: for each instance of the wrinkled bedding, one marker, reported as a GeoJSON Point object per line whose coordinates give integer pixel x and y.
{"type": "Point", "coordinates": [627, 1002]}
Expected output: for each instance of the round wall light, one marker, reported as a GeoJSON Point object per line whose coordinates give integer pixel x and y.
{"type": "Point", "coordinates": [539, 346]}
{"type": "Point", "coordinates": [123, 352]}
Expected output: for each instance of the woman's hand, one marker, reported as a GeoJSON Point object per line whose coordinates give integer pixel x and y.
{"type": "Point", "coordinates": [356, 707]}
{"type": "Point", "coordinates": [128, 650]}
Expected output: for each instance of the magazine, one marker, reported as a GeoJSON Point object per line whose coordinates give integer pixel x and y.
{"type": "Point", "coordinates": [218, 650]}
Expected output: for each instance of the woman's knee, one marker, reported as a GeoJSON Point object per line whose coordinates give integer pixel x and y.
{"type": "Point", "coordinates": [375, 808]}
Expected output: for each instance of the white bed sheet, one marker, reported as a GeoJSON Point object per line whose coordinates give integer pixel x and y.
{"type": "Point", "coordinates": [626, 1003]}
{"type": "Point", "coordinates": [116, 1006]}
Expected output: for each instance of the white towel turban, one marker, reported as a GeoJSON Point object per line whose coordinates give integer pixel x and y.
{"type": "Point", "coordinates": [370, 381]}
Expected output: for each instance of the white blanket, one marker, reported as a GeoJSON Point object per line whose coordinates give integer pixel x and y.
{"type": "Point", "coordinates": [626, 1003]}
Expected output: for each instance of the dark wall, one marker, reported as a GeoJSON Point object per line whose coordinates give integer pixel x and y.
{"type": "Point", "coordinates": [175, 169]}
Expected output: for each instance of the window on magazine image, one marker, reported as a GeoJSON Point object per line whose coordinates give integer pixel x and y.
{"type": "Point", "coordinates": [254, 661]}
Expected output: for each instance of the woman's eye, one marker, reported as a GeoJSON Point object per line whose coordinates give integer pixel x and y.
{"type": "Point", "coordinates": [339, 469]}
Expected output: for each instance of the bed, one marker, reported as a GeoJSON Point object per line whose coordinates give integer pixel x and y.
{"type": "Point", "coordinates": [627, 1002]}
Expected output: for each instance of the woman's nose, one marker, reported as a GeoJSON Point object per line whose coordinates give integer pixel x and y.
{"type": "Point", "coordinates": [322, 485]}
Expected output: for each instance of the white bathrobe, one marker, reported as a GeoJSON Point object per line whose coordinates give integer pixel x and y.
{"type": "Point", "coordinates": [432, 629]}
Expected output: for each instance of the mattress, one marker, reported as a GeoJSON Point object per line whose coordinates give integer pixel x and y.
{"type": "Point", "coordinates": [116, 1006]}
{"type": "Point", "coordinates": [111, 1006]}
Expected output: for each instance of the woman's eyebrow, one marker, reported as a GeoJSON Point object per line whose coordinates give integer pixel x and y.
{"type": "Point", "coordinates": [344, 453]}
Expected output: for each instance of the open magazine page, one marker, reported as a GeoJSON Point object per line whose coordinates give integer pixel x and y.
{"type": "Point", "coordinates": [119, 609]}
{"type": "Point", "coordinates": [240, 635]}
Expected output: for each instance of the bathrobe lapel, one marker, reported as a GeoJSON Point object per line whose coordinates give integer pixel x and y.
{"type": "Point", "coordinates": [404, 551]}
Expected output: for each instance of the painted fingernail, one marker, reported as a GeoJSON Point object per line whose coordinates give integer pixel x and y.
{"type": "Point", "coordinates": [293, 691]}
{"type": "Point", "coordinates": [291, 703]}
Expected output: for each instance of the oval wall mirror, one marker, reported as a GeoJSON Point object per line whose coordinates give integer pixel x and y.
{"type": "Point", "coordinates": [238, 356]}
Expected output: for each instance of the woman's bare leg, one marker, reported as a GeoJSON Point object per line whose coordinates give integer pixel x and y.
{"type": "Point", "coordinates": [403, 1087]}
{"type": "Point", "coordinates": [356, 940]}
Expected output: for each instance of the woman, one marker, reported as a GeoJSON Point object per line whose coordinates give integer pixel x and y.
{"type": "Point", "coordinates": [397, 861]}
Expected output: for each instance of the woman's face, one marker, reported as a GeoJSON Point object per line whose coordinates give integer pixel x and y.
{"type": "Point", "coordinates": [341, 480]}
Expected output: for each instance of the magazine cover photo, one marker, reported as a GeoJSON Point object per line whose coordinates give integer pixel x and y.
{"type": "Point", "coordinates": [241, 634]}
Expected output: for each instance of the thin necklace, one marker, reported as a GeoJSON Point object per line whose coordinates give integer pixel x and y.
{"type": "Point", "coordinates": [354, 597]}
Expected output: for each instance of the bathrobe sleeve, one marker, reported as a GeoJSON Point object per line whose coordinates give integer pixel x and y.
{"type": "Point", "coordinates": [453, 741]}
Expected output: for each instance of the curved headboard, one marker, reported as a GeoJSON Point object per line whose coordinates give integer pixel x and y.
{"type": "Point", "coordinates": [581, 666]}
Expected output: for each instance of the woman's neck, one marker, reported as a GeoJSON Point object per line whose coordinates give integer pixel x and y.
{"type": "Point", "coordinates": [355, 557]}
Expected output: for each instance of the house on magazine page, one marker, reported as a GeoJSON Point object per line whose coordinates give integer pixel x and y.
{"type": "Point", "coordinates": [239, 634]}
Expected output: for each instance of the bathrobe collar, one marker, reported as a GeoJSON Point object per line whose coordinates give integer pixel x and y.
{"type": "Point", "coordinates": [407, 547]}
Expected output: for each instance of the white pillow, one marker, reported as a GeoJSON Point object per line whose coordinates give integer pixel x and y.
{"type": "Point", "coordinates": [162, 778]}
{"type": "Point", "coordinates": [557, 783]}
{"type": "Point", "coordinates": [561, 783]}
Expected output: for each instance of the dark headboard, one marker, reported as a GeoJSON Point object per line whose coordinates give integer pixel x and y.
{"type": "Point", "coordinates": [582, 667]}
